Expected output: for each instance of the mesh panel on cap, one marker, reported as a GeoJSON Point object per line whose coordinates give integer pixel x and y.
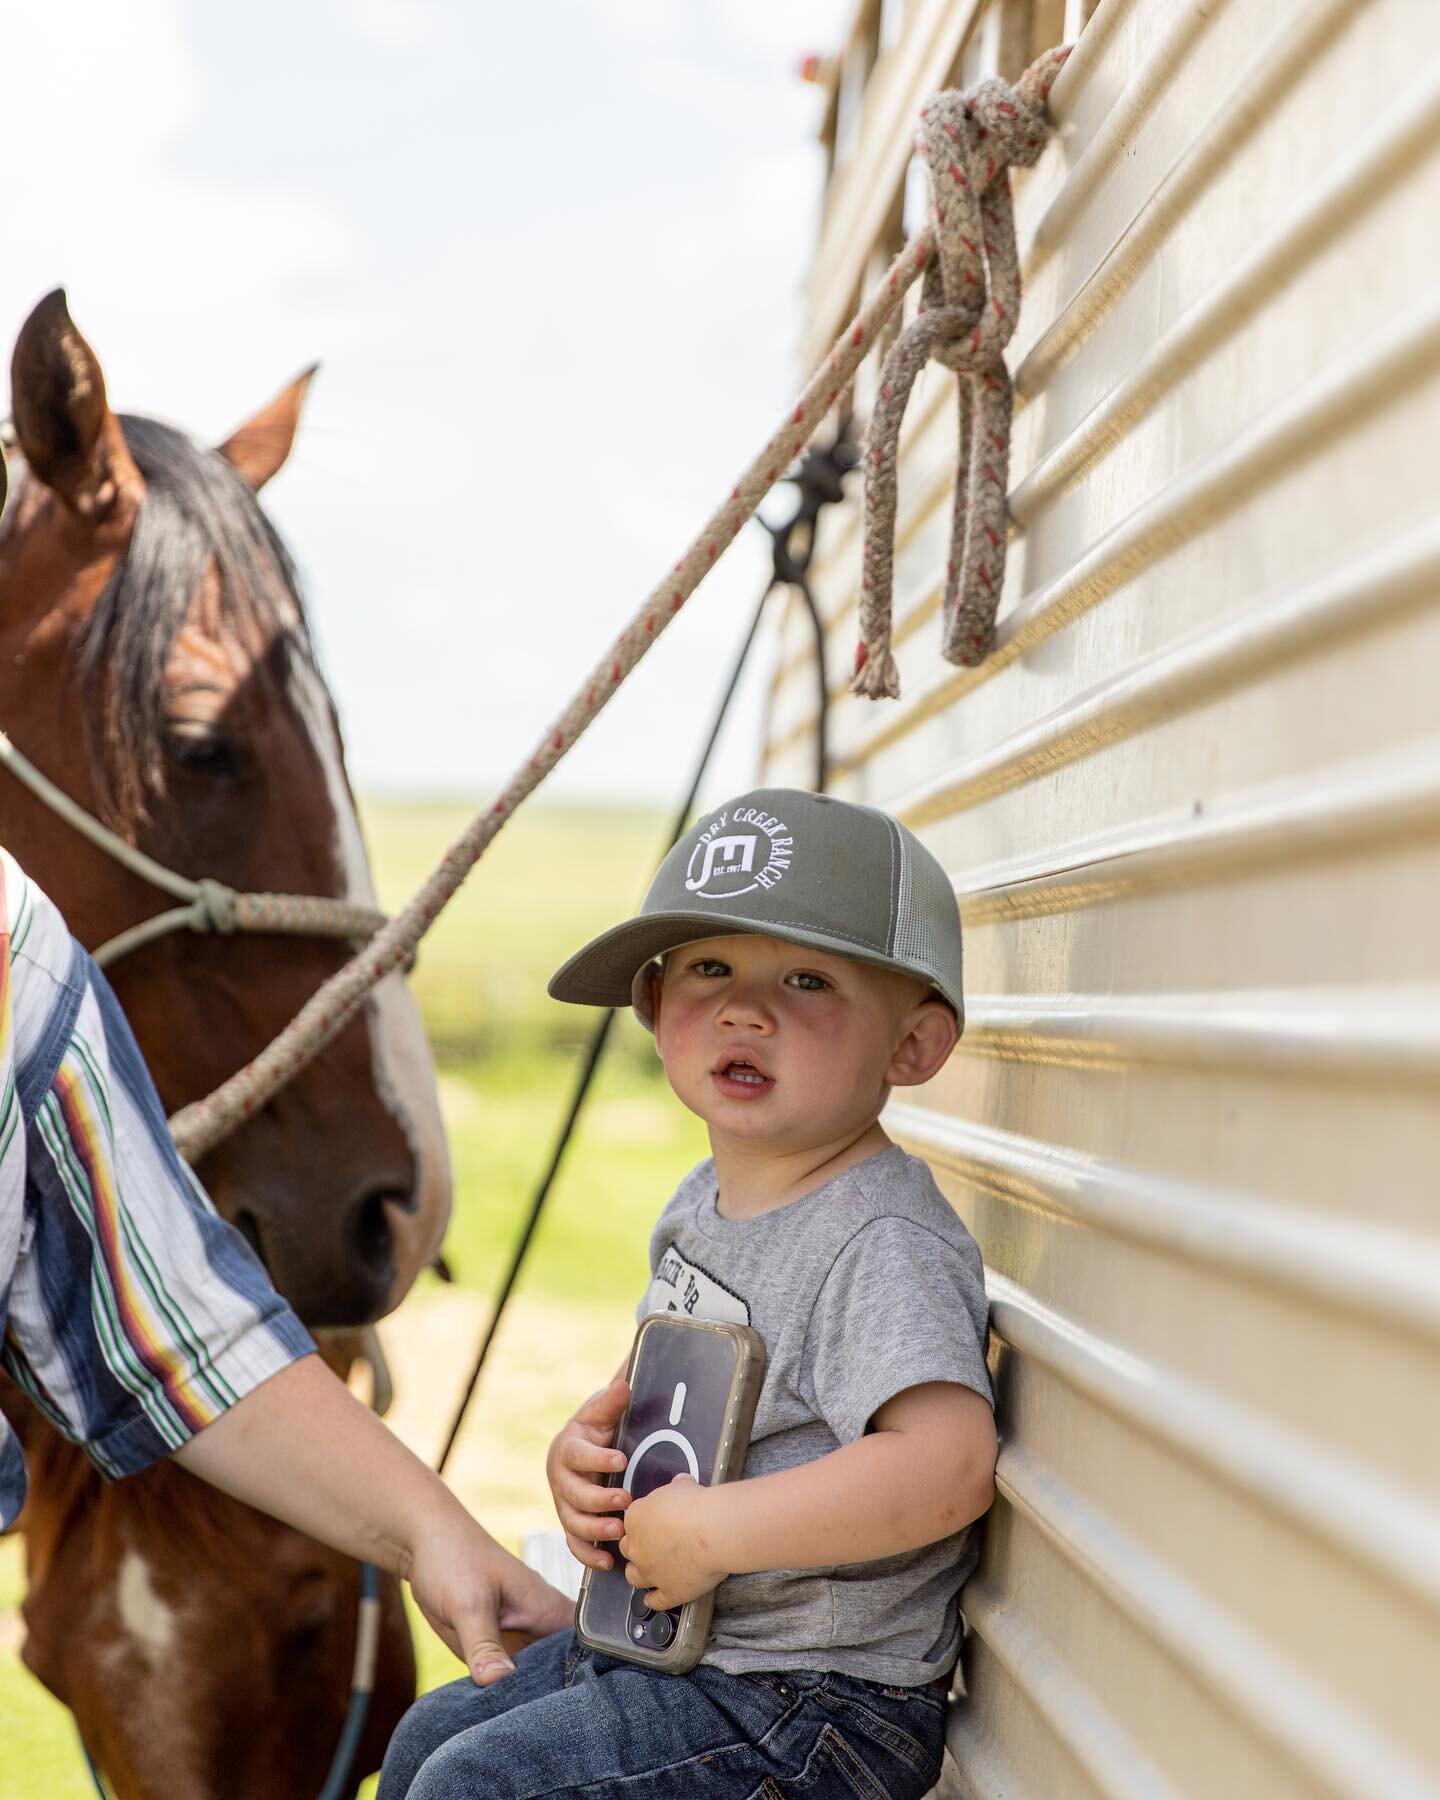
{"type": "Point", "coordinates": [926, 927]}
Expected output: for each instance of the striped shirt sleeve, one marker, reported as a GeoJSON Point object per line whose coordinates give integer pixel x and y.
{"type": "Point", "coordinates": [137, 1315]}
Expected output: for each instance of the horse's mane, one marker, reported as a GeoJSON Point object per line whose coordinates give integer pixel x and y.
{"type": "Point", "coordinates": [196, 509]}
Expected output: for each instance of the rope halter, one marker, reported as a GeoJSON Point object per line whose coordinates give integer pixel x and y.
{"type": "Point", "coordinates": [969, 304]}
{"type": "Point", "coordinates": [209, 906]}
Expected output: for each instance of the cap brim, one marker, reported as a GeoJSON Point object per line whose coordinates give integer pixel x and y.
{"type": "Point", "coordinates": [603, 973]}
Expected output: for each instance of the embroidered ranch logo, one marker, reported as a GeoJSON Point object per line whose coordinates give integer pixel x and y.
{"type": "Point", "coordinates": [728, 861]}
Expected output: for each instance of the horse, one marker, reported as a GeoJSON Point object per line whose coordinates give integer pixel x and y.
{"type": "Point", "coordinates": [156, 664]}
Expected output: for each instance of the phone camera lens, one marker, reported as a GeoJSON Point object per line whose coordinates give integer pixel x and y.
{"type": "Point", "coordinates": [662, 1629]}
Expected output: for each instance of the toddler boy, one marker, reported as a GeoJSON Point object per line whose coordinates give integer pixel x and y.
{"type": "Point", "coordinates": [811, 963]}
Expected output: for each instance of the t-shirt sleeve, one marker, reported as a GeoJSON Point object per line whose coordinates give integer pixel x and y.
{"type": "Point", "coordinates": [901, 1306]}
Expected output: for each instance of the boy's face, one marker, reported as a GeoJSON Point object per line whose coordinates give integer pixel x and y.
{"type": "Point", "coordinates": [777, 1045]}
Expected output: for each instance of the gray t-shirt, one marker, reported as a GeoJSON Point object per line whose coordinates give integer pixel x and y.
{"type": "Point", "coordinates": [861, 1289]}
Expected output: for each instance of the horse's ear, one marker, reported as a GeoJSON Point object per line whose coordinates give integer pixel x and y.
{"type": "Point", "coordinates": [63, 424]}
{"type": "Point", "coordinates": [258, 449]}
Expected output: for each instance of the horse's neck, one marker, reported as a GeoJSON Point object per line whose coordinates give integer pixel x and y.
{"type": "Point", "coordinates": [64, 1486]}
{"type": "Point", "coordinates": [62, 1481]}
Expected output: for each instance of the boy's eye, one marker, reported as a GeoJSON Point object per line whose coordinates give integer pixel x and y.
{"type": "Point", "coordinates": [810, 983]}
{"type": "Point", "coordinates": [710, 965]}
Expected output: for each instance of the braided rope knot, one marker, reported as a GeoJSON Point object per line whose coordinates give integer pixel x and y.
{"type": "Point", "coordinates": [969, 305]}
{"type": "Point", "coordinates": [214, 907]}
{"type": "Point", "coordinates": [224, 910]}
{"type": "Point", "coordinates": [307, 915]}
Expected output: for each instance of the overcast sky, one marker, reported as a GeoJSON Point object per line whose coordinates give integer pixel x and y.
{"type": "Point", "coordinates": [549, 256]}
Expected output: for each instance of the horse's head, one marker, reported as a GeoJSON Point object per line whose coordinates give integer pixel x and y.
{"type": "Point", "coordinates": [155, 663]}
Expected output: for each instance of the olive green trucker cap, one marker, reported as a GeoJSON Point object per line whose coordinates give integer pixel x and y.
{"type": "Point", "coordinates": [788, 864]}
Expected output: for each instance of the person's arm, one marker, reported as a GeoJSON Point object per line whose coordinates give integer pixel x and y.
{"type": "Point", "coordinates": [302, 1448]}
{"type": "Point", "coordinates": [142, 1326]}
{"type": "Point", "coordinates": [925, 1470]}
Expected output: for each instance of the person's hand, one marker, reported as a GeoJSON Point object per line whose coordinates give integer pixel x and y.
{"type": "Point", "coordinates": [665, 1545]}
{"type": "Point", "coordinates": [580, 1452]}
{"type": "Point", "coordinates": [302, 1448]}
{"type": "Point", "coordinates": [470, 1590]}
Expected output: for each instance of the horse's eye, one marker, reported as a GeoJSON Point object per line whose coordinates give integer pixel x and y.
{"type": "Point", "coordinates": [204, 752]}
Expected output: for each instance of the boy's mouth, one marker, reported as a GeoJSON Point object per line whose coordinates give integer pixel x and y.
{"type": "Point", "coordinates": [740, 1079]}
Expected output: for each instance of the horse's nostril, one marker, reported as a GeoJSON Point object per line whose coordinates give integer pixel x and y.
{"type": "Point", "coordinates": [370, 1231]}
{"type": "Point", "coordinates": [248, 1226]}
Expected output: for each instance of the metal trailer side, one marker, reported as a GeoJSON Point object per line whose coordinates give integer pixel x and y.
{"type": "Point", "coordinates": [1191, 806]}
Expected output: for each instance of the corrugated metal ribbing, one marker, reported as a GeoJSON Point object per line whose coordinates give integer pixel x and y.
{"type": "Point", "coordinates": [1191, 806]}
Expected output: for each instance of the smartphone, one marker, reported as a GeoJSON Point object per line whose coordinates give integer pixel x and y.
{"type": "Point", "coordinates": [693, 1389]}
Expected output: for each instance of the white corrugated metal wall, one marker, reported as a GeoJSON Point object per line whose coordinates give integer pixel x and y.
{"type": "Point", "coordinates": [1192, 810]}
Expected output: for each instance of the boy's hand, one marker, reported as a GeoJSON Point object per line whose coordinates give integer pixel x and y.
{"type": "Point", "coordinates": [580, 1452]}
{"type": "Point", "coordinates": [666, 1548]}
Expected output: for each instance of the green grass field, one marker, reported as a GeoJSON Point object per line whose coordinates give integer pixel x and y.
{"type": "Point", "coordinates": [552, 877]}
{"type": "Point", "coordinates": [508, 1057]}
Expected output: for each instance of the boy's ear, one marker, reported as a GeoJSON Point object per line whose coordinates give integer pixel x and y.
{"type": "Point", "coordinates": [655, 982]}
{"type": "Point", "coordinates": [930, 1034]}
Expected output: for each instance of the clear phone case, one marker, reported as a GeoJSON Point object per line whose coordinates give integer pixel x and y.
{"type": "Point", "coordinates": [693, 1389]}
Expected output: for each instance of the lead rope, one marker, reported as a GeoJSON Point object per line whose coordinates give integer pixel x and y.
{"type": "Point", "coordinates": [338, 1784]}
{"type": "Point", "coordinates": [968, 309]}
{"type": "Point", "coordinates": [1018, 135]}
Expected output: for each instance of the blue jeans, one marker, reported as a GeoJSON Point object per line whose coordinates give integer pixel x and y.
{"type": "Point", "coordinates": [569, 1721]}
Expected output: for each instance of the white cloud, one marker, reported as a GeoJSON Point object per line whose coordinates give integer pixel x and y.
{"type": "Point", "coordinates": [153, 257]}
{"type": "Point", "coordinates": [393, 23]}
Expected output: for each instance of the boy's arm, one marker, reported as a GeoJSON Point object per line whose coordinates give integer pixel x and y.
{"type": "Point", "coordinates": [926, 1469]}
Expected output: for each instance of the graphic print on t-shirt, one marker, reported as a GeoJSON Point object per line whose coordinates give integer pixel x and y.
{"type": "Point", "coordinates": [684, 1287]}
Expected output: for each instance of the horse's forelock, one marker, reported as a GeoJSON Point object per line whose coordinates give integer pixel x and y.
{"type": "Point", "coordinates": [196, 511]}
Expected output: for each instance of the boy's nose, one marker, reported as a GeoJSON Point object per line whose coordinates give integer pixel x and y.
{"type": "Point", "coordinates": [743, 1006]}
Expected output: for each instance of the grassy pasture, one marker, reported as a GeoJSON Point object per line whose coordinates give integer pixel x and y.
{"type": "Point", "coordinates": [507, 1056]}
{"type": "Point", "coordinates": [553, 877]}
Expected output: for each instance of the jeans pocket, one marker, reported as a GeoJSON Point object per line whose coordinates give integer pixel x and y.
{"type": "Point", "coordinates": [911, 1729]}
{"type": "Point", "coordinates": [832, 1767]}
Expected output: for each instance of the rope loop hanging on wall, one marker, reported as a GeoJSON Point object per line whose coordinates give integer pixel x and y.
{"type": "Point", "coordinates": [969, 304]}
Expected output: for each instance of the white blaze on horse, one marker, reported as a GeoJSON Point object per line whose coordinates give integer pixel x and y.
{"type": "Point", "coordinates": [156, 665]}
